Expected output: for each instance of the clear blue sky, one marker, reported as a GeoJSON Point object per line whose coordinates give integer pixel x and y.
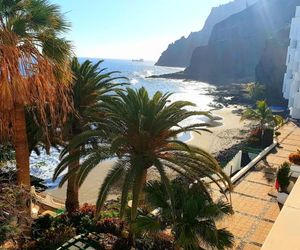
{"type": "Point", "coordinates": [132, 28]}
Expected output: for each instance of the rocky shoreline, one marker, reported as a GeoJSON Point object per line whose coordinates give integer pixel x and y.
{"type": "Point", "coordinates": [225, 94]}
{"type": "Point", "coordinates": [180, 75]}
{"type": "Point", "coordinates": [232, 94]}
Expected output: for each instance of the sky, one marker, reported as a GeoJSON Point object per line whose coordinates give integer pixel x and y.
{"type": "Point", "coordinates": [132, 29]}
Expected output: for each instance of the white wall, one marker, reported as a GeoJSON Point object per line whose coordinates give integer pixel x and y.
{"type": "Point", "coordinates": [291, 84]}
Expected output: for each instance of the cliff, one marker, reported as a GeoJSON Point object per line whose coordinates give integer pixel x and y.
{"type": "Point", "coordinates": [178, 54]}
{"type": "Point", "coordinates": [271, 67]}
{"type": "Point", "coordinates": [237, 43]}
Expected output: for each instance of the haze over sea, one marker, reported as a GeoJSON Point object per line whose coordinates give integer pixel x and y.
{"type": "Point", "coordinates": [137, 72]}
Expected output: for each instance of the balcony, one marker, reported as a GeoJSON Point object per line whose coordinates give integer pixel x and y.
{"type": "Point", "coordinates": [286, 229]}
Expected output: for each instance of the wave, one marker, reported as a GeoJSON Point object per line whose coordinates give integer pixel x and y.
{"type": "Point", "coordinates": [144, 73]}
{"type": "Point", "coordinates": [134, 81]}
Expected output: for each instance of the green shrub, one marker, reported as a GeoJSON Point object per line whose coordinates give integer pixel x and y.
{"type": "Point", "coordinates": [7, 154]}
{"type": "Point", "coordinates": [40, 225]}
{"type": "Point", "coordinates": [54, 237]}
{"type": "Point", "coordinates": [110, 214]}
{"type": "Point", "coordinates": [82, 220]}
{"type": "Point", "coordinates": [122, 244]}
{"type": "Point", "coordinates": [283, 176]}
{"type": "Point", "coordinates": [14, 218]}
{"type": "Point", "coordinates": [256, 91]}
{"type": "Point", "coordinates": [7, 231]}
{"type": "Point", "coordinates": [157, 242]}
{"type": "Point", "coordinates": [113, 226]}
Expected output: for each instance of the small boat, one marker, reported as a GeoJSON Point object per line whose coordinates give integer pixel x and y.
{"type": "Point", "coordinates": [137, 60]}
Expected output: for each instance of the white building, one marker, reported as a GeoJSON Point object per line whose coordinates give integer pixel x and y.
{"type": "Point", "coordinates": [291, 84]}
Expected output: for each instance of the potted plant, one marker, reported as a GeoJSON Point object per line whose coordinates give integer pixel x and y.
{"type": "Point", "coordinates": [267, 121]}
{"type": "Point", "coordinates": [283, 183]}
{"type": "Point", "coordinates": [267, 136]}
{"type": "Point", "coordinates": [295, 157]}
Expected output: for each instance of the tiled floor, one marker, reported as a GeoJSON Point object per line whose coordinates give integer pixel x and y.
{"type": "Point", "coordinates": [237, 224]}
{"type": "Point", "coordinates": [248, 205]}
{"type": "Point", "coordinates": [272, 212]}
{"type": "Point", "coordinates": [249, 246]}
{"type": "Point", "coordinates": [253, 189]}
{"type": "Point", "coordinates": [256, 210]}
{"type": "Point", "coordinates": [261, 176]}
{"type": "Point", "coordinates": [261, 232]}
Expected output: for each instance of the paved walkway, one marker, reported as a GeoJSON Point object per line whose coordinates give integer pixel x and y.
{"type": "Point", "coordinates": [255, 208]}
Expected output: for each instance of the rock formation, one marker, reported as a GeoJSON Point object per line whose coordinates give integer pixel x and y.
{"type": "Point", "coordinates": [178, 54]}
{"type": "Point", "coordinates": [237, 43]}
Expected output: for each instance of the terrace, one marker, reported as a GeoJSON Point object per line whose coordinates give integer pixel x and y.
{"type": "Point", "coordinates": [254, 196]}
{"type": "Point", "coordinates": [255, 204]}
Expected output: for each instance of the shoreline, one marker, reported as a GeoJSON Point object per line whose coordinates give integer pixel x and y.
{"type": "Point", "coordinates": [225, 136]}
{"type": "Point", "coordinates": [227, 92]}
{"type": "Point", "coordinates": [222, 138]}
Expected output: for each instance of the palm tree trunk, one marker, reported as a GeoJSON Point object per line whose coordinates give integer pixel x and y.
{"type": "Point", "coordinates": [21, 147]}
{"type": "Point", "coordinates": [135, 202]}
{"type": "Point", "coordinates": [72, 200]}
{"type": "Point", "coordinates": [22, 164]}
{"type": "Point", "coordinates": [144, 181]}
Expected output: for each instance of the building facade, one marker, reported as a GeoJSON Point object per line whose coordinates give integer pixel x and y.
{"type": "Point", "coordinates": [291, 84]}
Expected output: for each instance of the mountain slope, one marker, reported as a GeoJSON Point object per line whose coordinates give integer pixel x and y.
{"type": "Point", "coordinates": [237, 43]}
{"type": "Point", "coordinates": [178, 54]}
{"type": "Point", "coordinates": [271, 67]}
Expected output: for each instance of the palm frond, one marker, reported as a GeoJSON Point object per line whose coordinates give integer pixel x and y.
{"type": "Point", "coordinates": [146, 224]}
{"type": "Point", "coordinates": [127, 185]}
{"type": "Point", "coordinates": [263, 114]}
{"type": "Point", "coordinates": [114, 174]}
{"type": "Point", "coordinates": [142, 131]}
{"type": "Point", "coordinates": [35, 55]}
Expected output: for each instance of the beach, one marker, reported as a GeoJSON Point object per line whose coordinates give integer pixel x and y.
{"type": "Point", "coordinates": [222, 137]}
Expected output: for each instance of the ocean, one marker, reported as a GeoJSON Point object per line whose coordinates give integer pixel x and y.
{"type": "Point", "coordinates": [137, 72]}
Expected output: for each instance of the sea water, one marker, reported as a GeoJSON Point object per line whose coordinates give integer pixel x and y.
{"type": "Point", "coordinates": [138, 74]}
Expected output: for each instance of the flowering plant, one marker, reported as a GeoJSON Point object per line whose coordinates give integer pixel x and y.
{"type": "Point", "coordinates": [295, 157]}
{"type": "Point", "coordinates": [88, 209]}
{"type": "Point", "coordinates": [113, 226]}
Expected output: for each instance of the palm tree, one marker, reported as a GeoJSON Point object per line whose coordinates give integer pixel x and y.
{"type": "Point", "coordinates": [256, 91]}
{"type": "Point", "coordinates": [263, 114]}
{"type": "Point", "coordinates": [193, 219]}
{"type": "Point", "coordinates": [37, 139]}
{"type": "Point", "coordinates": [34, 72]}
{"type": "Point", "coordinates": [91, 88]}
{"type": "Point", "coordinates": [143, 133]}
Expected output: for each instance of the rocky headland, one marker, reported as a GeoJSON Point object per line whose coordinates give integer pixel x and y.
{"type": "Point", "coordinates": [179, 53]}
{"type": "Point", "coordinates": [247, 46]}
